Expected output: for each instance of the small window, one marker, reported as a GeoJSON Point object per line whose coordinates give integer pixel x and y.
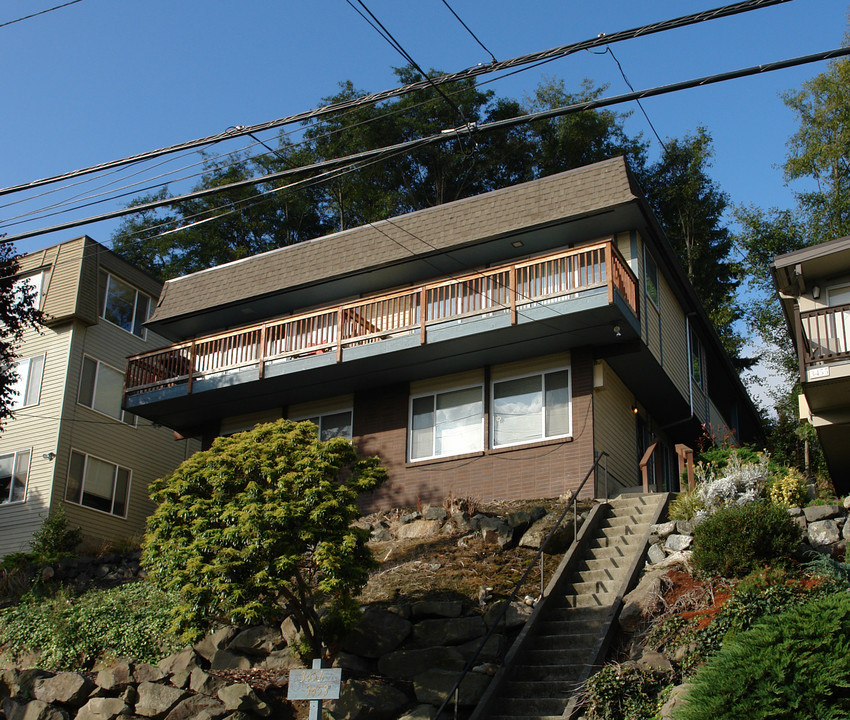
{"type": "Point", "coordinates": [122, 305]}
{"type": "Point", "coordinates": [98, 484]}
{"type": "Point", "coordinates": [651, 271]}
{"type": "Point", "coordinates": [447, 423]}
{"type": "Point", "coordinates": [531, 408]}
{"type": "Point", "coordinates": [102, 389]}
{"type": "Point", "coordinates": [697, 370]}
{"type": "Point", "coordinates": [333, 424]}
{"type": "Point", "coordinates": [14, 469]}
{"type": "Point", "coordinates": [26, 390]}
{"type": "Point", "coordinates": [35, 282]}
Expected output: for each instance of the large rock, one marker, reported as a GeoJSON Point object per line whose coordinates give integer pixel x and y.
{"type": "Point", "coordinates": [156, 700]}
{"type": "Point", "coordinates": [117, 676]}
{"type": "Point", "coordinates": [677, 542]}
{"type": "Point", "coordinates": [377, 633]}
{"type": "Point", "coordinates": [144, 672]}
{"type": "Point", "coordinates": [185, 660]}
{"type": "Point", "coordinates": [674, 702]}
{"type": "Point", "coordinates": [516, 615]}
{"type": "Point", "coordinates": [259, 640]}
{"type": "Point", "coordinates": [656, 554]}
{"type": "Point", "coordinates": [209, 645]}
{"type": "Point", "coordinates": [493, 650]}
{"type": "Point", "coordinates": [103, 709]}
{"type": "Point", "coordinates": [814, 513]}
{"type": "Point", "coordinates": [437, 608]}
{"type": "Point", "coordinates": [367, 700]}
{"type": "Point", "coordinates": [663, 529]}
{"type": "Point", "coordinates": [204, 683]}
{"type": "Point", "coordinates": [226, 660]}
{"type": "Point", "coordinates": [450, 631]}
{"type": "Point", "coordinates": [196, 706]}
{"type": "Point", "coordinates": [282, 659]}
{"type": "Point", "coordinates": [539, 531]}
{"type": "Point", "coordinates": [32, 710]}
{"type": "Point", "coordinates": [823, 532]}
{"type": "Point", "coordinates": [242, 698]}
{"type": "Point", "coordinates": [66, 687]}
{"type": "Point", "coordinates": [418, 529]}
{"type": "Point", "coordinates": [432, 686]}
{"type": "Point", "coordinates": [643, 599]}
{"type": "Point", "coordinates": [496, 531]}
{"type": "Point", "coordinates": [407, 664]}
{"type": "Point", "coordinates": [435, 512]}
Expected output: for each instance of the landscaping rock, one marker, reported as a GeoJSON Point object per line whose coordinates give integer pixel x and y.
{"type": "Point", "coordinates": [282, 659]}
{"type": "Point", "coordinates": [656, 554]}
{"type": "Point", "coordinates": [539, 531]}
{"type": "Point", "coordinates": [492, 651]}
{"type": "Point", "coordinates": [381, 534]}
{"type": "Point", "coordinates": [434, 513]}
{"type": "Point", "coordinates": [156, 700]}
{"type": "Point", "coordinates": [259, 640]}
{"type": "Point", "coordinates": [407, 664]}
{"type": "Point", "coordinates": [352, 662]}
{"type": "Point", "coordinates": [643, 599]}
{"type": "Point", "coordinates": [187, 659]}
{"type": "Point", "coordinates": [33, 710]}
{"type": "Point", "coordinates": [365, 700]}
{"type": "Point", "coordinates": [663, 529]}
{"type": "Point", "coordinates": [226, 660]}
{"type": "Point", "coordinates": [685, 527]}
{"type": "Point", "coordinates": [676, 700]}
{"type": "Point", "coordinates": [846, 503]}
{"type": "Point", "coordinates": [814, 513]}
{"type": "Point", "coordinates": [677, 558]}
{"type": "Point", "coordinates": [795, 511]}
{"type": "Point", "coordinates": [410, 517]}
{"type": "Point", "coordinates": [180, 679]}
{"type": "Point", "coordinates": [516, 616]}
{"type": "Point", "coordinates": [432, 686]}
{"type": "Point", "coordinates": [654, 661]}
{"type": "Point", "coordinates": [377, 633]}
{"type": "Point", "coordinates": [452, 631]}
{"type": "Point", "coordinates": [116, 677]}
{"type": "Point", "coordinates": [241, 697]}
{"type": "Point", "coordinates": [823, 532]}
{"type": "Point", "coordinates": [214, 642]}
{"type": "Point", "coordinates": [496, 531]}
{"type": "Point", "coordinates": [418, 529]}
{"type": "Point", "coordinates": [66, 687]}
{"type": "Point", "coordinates": [196, 706]}
{"type": "Point", "coordinates": [103, 709]}
{"type": "Point", "coordinates": [437, 608]}
{"type": "Point", "coordinates": [460, 521]}
{"type": "Point", "coordinates": [147, 673]}
{"type": "Point", "coordinates": [678, 542]}
{"type": "Point", "coordinates": [204, 683]}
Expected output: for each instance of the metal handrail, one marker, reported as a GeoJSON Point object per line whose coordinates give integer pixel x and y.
{"type": "Point", "coordinates": [507, 602]}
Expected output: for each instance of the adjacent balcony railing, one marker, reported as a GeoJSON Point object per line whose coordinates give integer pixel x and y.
{"type": "Point", "coordinates": [823, 335]}
{"type": "Point", "coordinates": [369, 320]}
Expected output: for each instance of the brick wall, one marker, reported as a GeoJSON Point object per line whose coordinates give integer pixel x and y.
{"type": "Point", "coordinates": [540, 470]}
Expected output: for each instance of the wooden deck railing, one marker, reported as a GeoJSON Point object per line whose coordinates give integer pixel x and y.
{"type": "Point", "coordinates": [376, 318]}
{"type": "Point", "coordinates": [823, 335]}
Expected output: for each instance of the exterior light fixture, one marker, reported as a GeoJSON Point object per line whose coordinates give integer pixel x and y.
{"type": "Point", "coordinates": [617, 331]}
{"type": "Point", "coordinates": [634, 410]}
{"type": "Point", "coordinates": [50, 457]}
{"type": "Point", "coordinates": [517, 243]}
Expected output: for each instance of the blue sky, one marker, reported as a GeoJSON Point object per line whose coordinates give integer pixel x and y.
{"type": "Point", "coordinates": [109, 78]}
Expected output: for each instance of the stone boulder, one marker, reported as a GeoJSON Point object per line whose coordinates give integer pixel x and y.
{"type": "Point", "coordinates": [367, 700]}
{"type": "Point", "coordinates": [674, 702]}
{"type": "Point", "coordinates": [496, 531]}
{"type": "Point", "coordinates": [377, 633]}
{"type": "Point", "coordinates": [156, 700]}
{"type": "Point", "coordinates": [117, 676]}
{"type": "Point", "coordinates": [185, 660]}
{"type": "Point", "coordinates": [67, 688]}
{"type": "Point", "coordinates": [678, 542]}
{"type": "Point", "coordinates": [823, 532]}
{"type": "Point", "coordinates": [449, 631]}
{"type": "Point", "coordinates": [643, 599]}
{"type": "Point", "coordinates": [32, 710]}
{"type": "Point", "coordinates": [212, 643]}
{"type": "Point", "coordinates": [433, 685]}
{"type": "Point", "coordinates": [656, 554]}
{"type": "Point", "coordinates": [407, 664]}
{"type": "Point", "coordinates": [535, 536]}
{"type": "Point", "coordinates": [437, 608]}
{"type": "Point", "coordinates": [516, 615]}
{"type": "Point", "coordinates": [418, 529]}
{"type": "Point", "coordinates": [259, 640]}
{"type": "Point", "coordinates": [103, 709]}
{"type": "Point", "coordinates": [195, 707]}
{"type": "Point", "coordinates": [814, 513]}
{"type": "Point", "coordinates": [242, 698]}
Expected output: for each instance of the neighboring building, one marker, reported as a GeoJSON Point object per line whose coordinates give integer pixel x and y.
{"type": "Point", "coordinates": [488, 347]}
{"type": "Point", "coordinates": [814, 287]}
{"type": "Point", "coordinates": [70, 441]}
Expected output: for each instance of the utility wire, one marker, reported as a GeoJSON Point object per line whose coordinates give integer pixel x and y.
{"type": "Point", "coordinates": [552, 53]}
{"type": "Point", "coordinates": [41, 12]}
{"type": "Point", "coordinates": [474, 36]}
{"type": "Point", "coordinates": [399, 148]}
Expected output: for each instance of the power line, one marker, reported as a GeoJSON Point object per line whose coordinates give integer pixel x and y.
{"type": "Point", "coordinates": [41, 12]}
{"type": "Point", "coordinates": [474, 36]}
{"type": "Point", "coordinates": [545, 55]}
{"type": "Point", "coordinates": [399, 148]}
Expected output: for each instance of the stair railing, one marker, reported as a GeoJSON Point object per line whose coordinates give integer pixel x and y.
{"type": "Point", "coordinates": [573, 503]}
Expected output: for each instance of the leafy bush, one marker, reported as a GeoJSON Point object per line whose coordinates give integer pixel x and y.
{"type": "Point", "coordinates": [736, 540]}
{"type": "Point", "coordinates": [624, 692]}
{"type": "Point", "coordinates": [685, 506]}
{"type": "Point", "coordinates": [261, 519]}
{"type": "Point", "coordinates": [736, 483]}
{"type": "Point", "coordinates": [791, 665]}
{"type": "Point", "coordinates": [788, 489]}
{"type": "Point", "coordinates": [72, 633]}
{"type": "Point", "coordinates": [54, 539]}
{"type": "Point", "coordinates": [718, 457]}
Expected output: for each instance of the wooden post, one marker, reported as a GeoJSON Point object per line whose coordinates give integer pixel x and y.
{"type": "Point", "coordinates": [423, 314]}
{"type": "Point", "coordinates": [339, 327]}
{"type": "Point", "coordinates": [686, 462]}
{"type": "Point", "coordinates": [262, 353]}
{"type": "Point", "coordinates": [191, 368]}
{"type": "Point", "coordinates": [512, 291]}
{"type": "Point", "coordinates": [644, 461]}
{"type": "Point", "coordinates": [609, 272]}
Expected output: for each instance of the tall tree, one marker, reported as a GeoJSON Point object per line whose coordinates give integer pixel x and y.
{"type": "Point", "coordinates": [17, 314]}
{"type": "Point", "coordinates": [690, 206]}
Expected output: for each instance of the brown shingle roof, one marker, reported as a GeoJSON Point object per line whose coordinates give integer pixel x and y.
{"type": "Point", "coordinates": [452, 225]}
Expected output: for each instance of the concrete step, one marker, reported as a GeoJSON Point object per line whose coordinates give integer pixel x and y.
{"type": "Point", "coordinates": [621, 553]}
{"type": "Point", "coordinates": [590, 600]}
{"type": "Point", "coordinates": [525, 706]}
{"type": "Point", "coordinates": [525, 717]}
{"type": "Point", "coordinates": [635, 500]}
{"type": "Point", "coordinates": [581, 643]}
{"type": "Point", "coordinates": [554, 656]}
{"type": "Point", "coordinates": [603, 541]}
{"type": "Point", "coordinates": [597, 587]}
{"type": "Point", "coordinates": [540, 688]}
{"type": "Point", "coordinates": [608, 564]}
{"type": "Point", "coordinates": [605, 574]}
{"type": "Point", "coordinates": [579, 634]}
{"type": "Point", "coordinates": [541, 672]}
{"type": "Point", "coordinates": [632, 529]}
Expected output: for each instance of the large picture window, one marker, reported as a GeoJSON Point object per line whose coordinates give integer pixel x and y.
{"type": "Point", "coordinates": [26, 389]}
{"type": "Point", "coordinates": [14, 469]}
{"type": "Point", "coordinates": [101, 389]}
{"type": "Point", "coordinates": [447, 423]}
{"type": "Point", "coordinates": [531, 408]}
{"type": "Point", "coordinates": [98, 484]}
{"type": "Point", "coordinates": [35, 284]}
{"type": "Point", "coordinates": [122, 305]}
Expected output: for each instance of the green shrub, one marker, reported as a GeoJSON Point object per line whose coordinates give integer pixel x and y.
{"type": "Point", "coordinates": [72, 633]}
{"type": "Point", "coordinates": [685, 506]}
{"type": "Point", "coordinates": [788, 489]}
{"type": "Point", "coordinates": [792, 665]}
{"type": "Point", "coordinates": [54, 539]}
{"type": "Point", "coordinates": [624, 692]}
{"type": "Point", "coordinates": [719, 456]}
{"type": "Point", "coordinates": [735, 541]}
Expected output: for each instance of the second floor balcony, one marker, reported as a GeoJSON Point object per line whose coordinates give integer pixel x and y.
{"type": "Point", "coordinates": [581, 296]}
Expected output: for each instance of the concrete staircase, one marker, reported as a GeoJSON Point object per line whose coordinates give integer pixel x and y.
{"type": "Point", "coordinates": [567, 638]}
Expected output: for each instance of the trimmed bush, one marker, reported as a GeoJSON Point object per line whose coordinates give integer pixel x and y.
{"type": "Point", "coordinates": [789, 489]}
{"type": "Point", "coordinates": [791, 665]}
{"type": "Point", "coordinates": [685, 506]}
{"type": "Point", "coordinates": [735, 541]}
{"type": "Point", "coordinates": [624, 692]}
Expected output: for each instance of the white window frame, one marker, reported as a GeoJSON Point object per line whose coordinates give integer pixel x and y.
{"type": "Point", "coordinates": [647, 257]}
{"type": "Point", "coordinates": [435, 393]}
{"type": "Point", "coordinates": [696, 353]}
{"type": "Point", "coordinates": [124, 415]}
{"type": "Point", "coordinates": [31, 390]}
{"type": "Point", "coordinates": [543, 436]}
{"type": "Point", "coordinates": [15, 454]}
{"type": "Point", "coordinates": [35, 279]}
{"type": "Point", "coordinates": [80, 503]}
{"type": "Point", "coordinates": [103, 293]}
{"type": "Point", "coordinates": [324, 414]}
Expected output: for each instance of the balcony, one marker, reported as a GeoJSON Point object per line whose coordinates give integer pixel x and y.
{"type": "Point", "coordinates": [823, 337]}
{"type": "Point", "coordinates": [505, 296]}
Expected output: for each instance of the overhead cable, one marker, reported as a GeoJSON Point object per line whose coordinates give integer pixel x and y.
{"type": "Point", "coordinates": [450, 134]}
{"type": "Point", "coordinates": [372, 98]}
{"type": "Point", "coordinates": [40, 12]}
